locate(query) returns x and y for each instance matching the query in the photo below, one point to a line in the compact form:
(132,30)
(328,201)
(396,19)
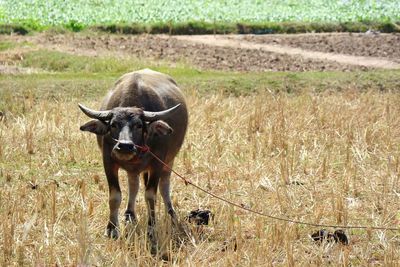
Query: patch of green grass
(6,45)
(63,62)
(60,85)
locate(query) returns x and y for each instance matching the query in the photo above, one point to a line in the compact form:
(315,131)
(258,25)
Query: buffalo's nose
(126,146)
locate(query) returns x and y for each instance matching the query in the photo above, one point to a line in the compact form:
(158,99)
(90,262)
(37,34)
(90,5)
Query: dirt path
(239,42)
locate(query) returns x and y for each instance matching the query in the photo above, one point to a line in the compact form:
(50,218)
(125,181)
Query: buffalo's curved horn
(102,115)
(159,115)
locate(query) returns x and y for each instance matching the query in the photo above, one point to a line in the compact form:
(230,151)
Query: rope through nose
(143,149)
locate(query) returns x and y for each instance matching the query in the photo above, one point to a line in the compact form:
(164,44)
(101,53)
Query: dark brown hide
(134,94)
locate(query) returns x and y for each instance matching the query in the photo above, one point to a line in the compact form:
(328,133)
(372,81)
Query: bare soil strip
(369,44)
(238,42)
(247,53)
(168,49)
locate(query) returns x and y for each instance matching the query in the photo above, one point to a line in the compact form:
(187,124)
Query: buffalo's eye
(113,125)
(139,126)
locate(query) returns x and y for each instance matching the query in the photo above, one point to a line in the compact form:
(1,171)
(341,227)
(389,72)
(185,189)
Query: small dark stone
(340,237)
(320,235)
(199,217)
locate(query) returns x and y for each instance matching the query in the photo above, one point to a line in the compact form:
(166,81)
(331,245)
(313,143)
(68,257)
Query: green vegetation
(194,17)
(5,45)
(247,27)
(214,28)
(79,12)
(62,62)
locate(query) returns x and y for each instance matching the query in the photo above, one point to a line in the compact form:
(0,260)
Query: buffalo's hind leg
(151,183)
(164,186)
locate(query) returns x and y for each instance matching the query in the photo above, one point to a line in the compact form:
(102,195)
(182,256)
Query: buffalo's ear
(159,128)
(95,126)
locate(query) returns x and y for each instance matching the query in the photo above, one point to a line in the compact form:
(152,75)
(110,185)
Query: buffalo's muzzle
(126,147)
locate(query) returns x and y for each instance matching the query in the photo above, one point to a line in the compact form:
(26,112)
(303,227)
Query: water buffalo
(145,108)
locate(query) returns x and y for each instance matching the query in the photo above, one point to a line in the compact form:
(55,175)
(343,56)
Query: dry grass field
(329,157)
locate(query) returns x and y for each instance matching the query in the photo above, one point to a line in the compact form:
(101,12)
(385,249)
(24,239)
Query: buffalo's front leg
(151,182)
(111,170)
(133,185)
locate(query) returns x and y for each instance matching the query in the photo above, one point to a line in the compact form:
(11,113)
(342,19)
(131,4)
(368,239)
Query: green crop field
(78,14)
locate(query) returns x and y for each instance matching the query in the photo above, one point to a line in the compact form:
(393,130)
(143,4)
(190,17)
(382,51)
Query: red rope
(145,148)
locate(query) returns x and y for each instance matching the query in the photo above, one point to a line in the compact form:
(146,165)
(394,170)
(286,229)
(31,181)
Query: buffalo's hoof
(151,236)
(153,249)
(112,232)
(165,257)
(130,218)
